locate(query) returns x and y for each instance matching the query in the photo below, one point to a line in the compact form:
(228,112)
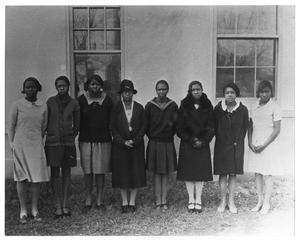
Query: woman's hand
(129,144)
(252,147)
(198,144)
(260,148)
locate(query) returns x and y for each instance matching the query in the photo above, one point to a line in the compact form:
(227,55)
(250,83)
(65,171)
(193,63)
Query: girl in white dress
(264,159)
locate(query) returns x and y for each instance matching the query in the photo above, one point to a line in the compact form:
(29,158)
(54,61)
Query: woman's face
(94,87)
(229,95)
(30,89)
(62,87)
(196,91)
(265,94)
(162,90)
(127,95)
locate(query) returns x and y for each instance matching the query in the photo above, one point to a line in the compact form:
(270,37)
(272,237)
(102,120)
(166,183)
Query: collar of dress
(162,108)
(256,105)
(91,100)
(224,106)
(30,104)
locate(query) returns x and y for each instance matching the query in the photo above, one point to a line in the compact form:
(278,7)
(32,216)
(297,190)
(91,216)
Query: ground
(148,221)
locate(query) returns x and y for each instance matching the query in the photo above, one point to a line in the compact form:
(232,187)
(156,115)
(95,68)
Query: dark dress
(128,165)
(161,127)
(194,164)
(230,129)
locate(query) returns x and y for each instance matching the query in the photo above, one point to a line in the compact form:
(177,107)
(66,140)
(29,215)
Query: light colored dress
(270,160)
(27,124)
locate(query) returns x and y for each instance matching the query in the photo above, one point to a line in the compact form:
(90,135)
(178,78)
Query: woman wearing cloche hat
(128,126)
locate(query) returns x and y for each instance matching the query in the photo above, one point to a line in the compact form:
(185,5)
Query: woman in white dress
(27,125)
(264,159)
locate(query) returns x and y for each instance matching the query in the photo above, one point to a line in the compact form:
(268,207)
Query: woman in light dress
(264,159)
(27,125)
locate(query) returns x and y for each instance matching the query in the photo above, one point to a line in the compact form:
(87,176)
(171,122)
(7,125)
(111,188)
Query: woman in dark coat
(161,158)
(196,129)
(128,126)
(63,127)
(95,138)
(231,124)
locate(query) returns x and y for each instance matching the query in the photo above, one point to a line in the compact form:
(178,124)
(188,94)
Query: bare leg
(133,193)
(268,192)
(190,187)
(35,192)
(100,188)
(157,188)
(21,190)
(66,174)
(124,197)
(199,187)
(56,186)
(223,192)
(88,180)
(231,187)
(164,189)
(259,181)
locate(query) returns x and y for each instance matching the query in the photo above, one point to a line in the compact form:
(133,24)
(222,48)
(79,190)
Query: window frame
(243,36)
(71,51)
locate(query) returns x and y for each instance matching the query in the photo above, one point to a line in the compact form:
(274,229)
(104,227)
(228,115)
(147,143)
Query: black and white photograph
(149,120)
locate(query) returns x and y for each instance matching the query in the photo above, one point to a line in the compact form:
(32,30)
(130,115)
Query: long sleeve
(209,126)
(140,135)
(45,121)
(76,119)
(12,122)
(117,138)
(245,122)
(181,129)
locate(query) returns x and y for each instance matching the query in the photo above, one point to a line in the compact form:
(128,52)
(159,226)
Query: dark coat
(230,129)
(63,121)
(128,165)
(95,120)
(194,164)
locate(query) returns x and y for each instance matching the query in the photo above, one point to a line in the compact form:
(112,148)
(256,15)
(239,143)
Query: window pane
(80,40)
(80,17)
(245,81)
(265,53)
(246,19)
(108,66)
(225,53)
(224,76)
(225,20)
(245,53)
(113,40)
(267,19)
(265,74)
(97,40)
(97,18)
(113,18)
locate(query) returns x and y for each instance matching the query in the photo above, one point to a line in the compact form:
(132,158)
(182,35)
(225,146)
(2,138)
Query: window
(96,46)
(246,47)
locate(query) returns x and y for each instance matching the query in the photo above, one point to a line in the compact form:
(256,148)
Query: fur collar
(188,102)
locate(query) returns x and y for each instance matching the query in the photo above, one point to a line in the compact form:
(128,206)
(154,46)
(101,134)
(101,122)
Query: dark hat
(127,85)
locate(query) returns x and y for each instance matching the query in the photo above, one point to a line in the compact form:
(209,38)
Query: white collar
(27,103)
(257,105)
(224,106)
(91,100)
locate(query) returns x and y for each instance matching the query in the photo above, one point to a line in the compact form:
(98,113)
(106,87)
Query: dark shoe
(23,219)
(87,208)
(36,217)
(132,208)
(58,213)
(66,212)
(101,207)
(198,208)
(191,207)
(157,206)
(124,209)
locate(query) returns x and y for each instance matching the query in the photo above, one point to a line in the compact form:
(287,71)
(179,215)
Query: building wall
(176,43)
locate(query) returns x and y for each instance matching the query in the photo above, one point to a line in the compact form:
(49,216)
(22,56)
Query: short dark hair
(162,81)
(35,81)
(232,86)
(64,78)
(93,77)
(194,82)
(264,84)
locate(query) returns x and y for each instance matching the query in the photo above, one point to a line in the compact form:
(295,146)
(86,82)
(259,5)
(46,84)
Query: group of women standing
(111,139)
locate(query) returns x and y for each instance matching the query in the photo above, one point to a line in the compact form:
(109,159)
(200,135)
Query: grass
(146,220)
